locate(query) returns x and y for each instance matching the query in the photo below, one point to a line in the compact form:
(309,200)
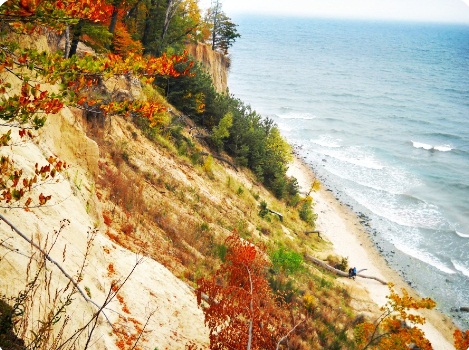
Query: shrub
(220,250)
(208,166)
(263,209)
(339,263)
(286,261)
(306,212)
(283,287)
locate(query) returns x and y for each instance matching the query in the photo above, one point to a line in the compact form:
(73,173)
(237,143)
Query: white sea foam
(425,257)
(421,145)
(461,268)
(443,148)
(400,209)
(327,141)
(366,162)
(463,235)
(426,146)
(354,156)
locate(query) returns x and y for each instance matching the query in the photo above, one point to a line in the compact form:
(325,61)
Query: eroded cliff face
(216,64)
(71,229)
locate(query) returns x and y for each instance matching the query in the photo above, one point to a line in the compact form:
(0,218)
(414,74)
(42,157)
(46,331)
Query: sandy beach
(341,226)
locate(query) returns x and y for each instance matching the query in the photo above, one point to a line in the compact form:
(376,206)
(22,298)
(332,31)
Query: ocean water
(380,110)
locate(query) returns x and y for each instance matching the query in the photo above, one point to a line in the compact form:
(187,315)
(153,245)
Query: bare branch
(288,334)
(47,256)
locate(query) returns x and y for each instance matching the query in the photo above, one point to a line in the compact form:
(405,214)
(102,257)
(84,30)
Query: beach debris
(280,216)
(339,272)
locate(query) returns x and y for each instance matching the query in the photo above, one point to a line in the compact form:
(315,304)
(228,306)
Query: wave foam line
(464,270)
(426,258)
(463,235)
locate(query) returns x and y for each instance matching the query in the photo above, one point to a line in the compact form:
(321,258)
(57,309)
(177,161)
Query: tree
(83,16)
(225,35)
(28,106)
(169,24)
(221,131)
(224,31)
(395,329)
(242,313)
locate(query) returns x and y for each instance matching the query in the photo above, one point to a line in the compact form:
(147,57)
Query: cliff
(216,64)
(136,219)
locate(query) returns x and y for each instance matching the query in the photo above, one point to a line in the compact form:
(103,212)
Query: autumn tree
(27,74)
(75,17)
(242,312)
(396,328)
(163,26)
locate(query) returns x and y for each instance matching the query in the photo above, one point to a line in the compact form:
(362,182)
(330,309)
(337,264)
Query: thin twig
(287,335)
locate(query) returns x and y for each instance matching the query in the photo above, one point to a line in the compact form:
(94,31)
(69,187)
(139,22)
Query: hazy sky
(426,10)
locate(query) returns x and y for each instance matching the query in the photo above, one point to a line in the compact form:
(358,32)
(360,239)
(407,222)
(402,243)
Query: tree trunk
(339,272)
(216,11)
(76,37)
(169,15)
(147,32)
(115,10)
(251,309)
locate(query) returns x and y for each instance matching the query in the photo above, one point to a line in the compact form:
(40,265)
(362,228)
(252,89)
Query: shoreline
(341,226)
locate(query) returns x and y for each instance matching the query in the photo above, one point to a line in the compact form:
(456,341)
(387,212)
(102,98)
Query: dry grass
(183,224)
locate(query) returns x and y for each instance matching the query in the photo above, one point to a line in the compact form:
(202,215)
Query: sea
(380,111)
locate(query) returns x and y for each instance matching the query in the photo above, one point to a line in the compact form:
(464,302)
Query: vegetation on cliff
(158,189)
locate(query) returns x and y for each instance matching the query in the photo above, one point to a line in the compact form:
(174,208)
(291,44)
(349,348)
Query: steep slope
(138,192)
(151,289)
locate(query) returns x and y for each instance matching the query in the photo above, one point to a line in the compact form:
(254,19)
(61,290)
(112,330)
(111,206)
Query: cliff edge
(215,63)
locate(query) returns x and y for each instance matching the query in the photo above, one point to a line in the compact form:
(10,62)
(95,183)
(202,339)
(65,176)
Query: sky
(414,10)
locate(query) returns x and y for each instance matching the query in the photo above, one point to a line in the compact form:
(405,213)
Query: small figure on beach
(352,272)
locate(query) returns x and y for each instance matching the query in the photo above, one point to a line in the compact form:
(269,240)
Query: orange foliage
(107,219)
(242,305)
(461,340)
(123,44)
(30,15)
(127,337)
(15,186)
(395,328)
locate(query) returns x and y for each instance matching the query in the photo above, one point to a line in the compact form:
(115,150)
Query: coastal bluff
(215,63)
(137,216)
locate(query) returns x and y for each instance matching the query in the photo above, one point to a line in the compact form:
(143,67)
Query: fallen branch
(276,213)
(339,272)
